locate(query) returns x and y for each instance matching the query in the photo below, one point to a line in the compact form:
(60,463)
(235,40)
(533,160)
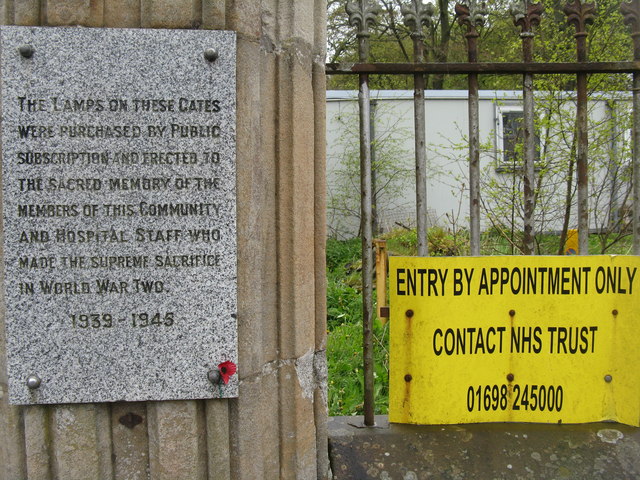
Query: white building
(447,159)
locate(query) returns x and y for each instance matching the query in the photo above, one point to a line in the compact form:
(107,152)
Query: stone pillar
(276,428)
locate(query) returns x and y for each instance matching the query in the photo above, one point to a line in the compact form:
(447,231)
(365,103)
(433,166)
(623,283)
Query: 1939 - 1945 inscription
(119,213)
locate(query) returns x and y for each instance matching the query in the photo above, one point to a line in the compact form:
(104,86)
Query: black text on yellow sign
(580,280)
(532,339)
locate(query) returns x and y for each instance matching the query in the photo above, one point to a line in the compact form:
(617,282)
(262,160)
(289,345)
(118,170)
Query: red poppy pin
(226,369)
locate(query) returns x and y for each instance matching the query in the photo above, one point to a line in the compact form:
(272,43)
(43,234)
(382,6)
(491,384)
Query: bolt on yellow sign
(515,339)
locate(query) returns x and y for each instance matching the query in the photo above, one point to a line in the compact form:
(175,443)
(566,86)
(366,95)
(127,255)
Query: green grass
(344,323)
(346,387)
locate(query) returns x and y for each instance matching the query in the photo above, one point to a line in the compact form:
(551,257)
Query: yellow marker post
(381,280)
(517,339)
(571,243)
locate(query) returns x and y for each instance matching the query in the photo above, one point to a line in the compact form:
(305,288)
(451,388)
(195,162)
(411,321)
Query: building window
(510,138)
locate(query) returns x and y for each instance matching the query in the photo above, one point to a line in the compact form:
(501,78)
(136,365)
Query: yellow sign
(515,339)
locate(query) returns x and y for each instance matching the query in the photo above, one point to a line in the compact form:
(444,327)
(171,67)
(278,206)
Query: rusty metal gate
(472,15)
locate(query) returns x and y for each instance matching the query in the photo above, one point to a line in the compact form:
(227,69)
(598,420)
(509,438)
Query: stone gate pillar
(276,428)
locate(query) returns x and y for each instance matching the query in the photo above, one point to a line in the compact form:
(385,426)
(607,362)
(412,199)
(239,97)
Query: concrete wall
(277,426)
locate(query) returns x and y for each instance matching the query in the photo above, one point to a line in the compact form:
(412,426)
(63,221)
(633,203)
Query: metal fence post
(631,12)
(579,15)
(415,16)
(473,16)
(527,16)
(362,14)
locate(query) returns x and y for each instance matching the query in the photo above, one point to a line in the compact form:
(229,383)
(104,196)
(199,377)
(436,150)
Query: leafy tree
(555,189)
(390,42)
(499,42)
(391,162)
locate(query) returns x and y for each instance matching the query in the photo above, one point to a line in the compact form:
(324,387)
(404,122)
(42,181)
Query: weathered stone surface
(74,12)
(213,14)
(320,40)
(26,12)
(122,13)
(244,17)
(129,425)
(297,420)
(257,438)
(13,464)
(296,204)
(169,14)
(319,98)
(255,432)
(74,429)
(177,441)
(218,444)
(119,213)
(36,426)
(257,320)
(499,451)
(297,21)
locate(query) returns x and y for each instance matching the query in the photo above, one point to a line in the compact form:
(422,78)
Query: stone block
(299,21)
(129,424)
(321,423)
(320,31)
(88,13)
(256,249)
(36,426)
(6,18)
(169,14)
(244,16)
(297,429)
(26,12)
(484,450)
(296,206)
(13,460)
(177,445)
(255,433)
(218,445)
(122,13)
(74,442)
(269,34)
(213,14)
(320,201)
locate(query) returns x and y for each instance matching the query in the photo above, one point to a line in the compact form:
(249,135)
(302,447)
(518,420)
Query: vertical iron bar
(580,14)
(474,148)
(472,15)
(527,16)
(416,14)
(366,230)
(362,13)
(421,159)
(375,225)
(631,12)
(582,167)
(636,161)
(529,164)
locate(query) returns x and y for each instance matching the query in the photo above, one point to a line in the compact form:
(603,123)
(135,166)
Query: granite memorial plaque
(119,209)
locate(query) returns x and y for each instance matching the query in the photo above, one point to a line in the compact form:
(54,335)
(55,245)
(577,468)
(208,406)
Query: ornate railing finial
(362,14)
(472,14)
(416,15)
(631,13)
(526,15)
(580,15)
